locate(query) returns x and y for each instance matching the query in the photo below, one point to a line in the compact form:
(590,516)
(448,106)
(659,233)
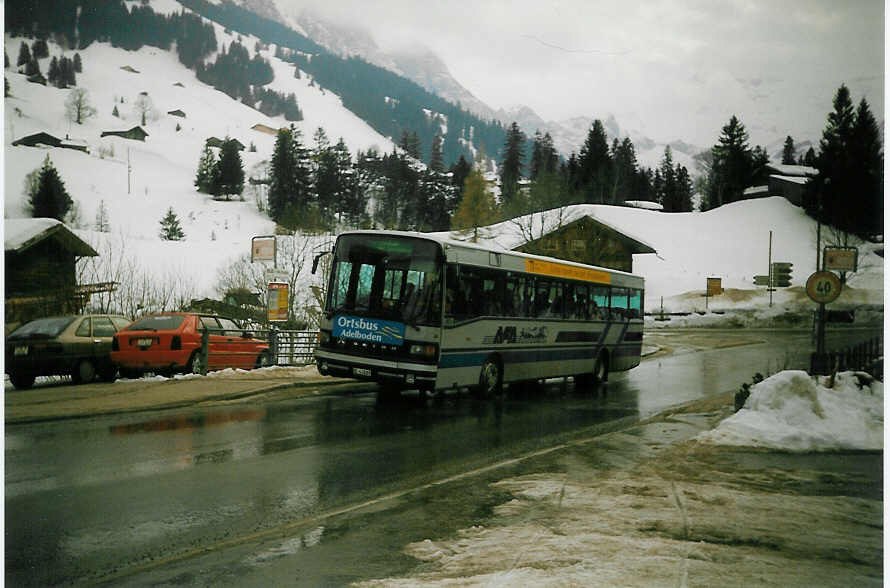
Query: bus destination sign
(564,270)
(368,330)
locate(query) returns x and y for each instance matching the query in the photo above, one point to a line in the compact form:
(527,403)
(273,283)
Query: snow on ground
(794,411)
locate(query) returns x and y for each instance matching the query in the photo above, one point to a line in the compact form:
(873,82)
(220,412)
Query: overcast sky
(671,69)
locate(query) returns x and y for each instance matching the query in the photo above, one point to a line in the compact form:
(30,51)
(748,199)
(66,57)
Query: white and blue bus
(412,310)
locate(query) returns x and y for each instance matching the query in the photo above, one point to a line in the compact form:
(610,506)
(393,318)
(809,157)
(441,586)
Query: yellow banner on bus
(571,272)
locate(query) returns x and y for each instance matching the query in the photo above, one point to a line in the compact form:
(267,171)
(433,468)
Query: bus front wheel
(490,379)
(601,369)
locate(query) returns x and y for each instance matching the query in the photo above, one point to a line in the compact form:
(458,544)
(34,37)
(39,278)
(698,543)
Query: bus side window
(635,303)
(599,303)
(619,303)
(579,308)
(556,300)
(455,305)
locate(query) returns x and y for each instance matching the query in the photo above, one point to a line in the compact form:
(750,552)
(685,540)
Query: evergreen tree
(206,169)
(53,73)
(40,50)
(731,166)
(810,158)
(624,157)
(228,179)
(171,230)
(666,181)
(436,163)
(759,167)
(848,190)
(511,166)
(114,112)
(289,190)
(48,197)
(477,207)
(595,166)
(78,65)
(32,68)
(788,151)
(24,55)
(459,172)
(410,142)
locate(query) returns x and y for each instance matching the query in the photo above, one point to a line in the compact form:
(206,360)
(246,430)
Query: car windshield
(385,276)
(42,328)
(157,323)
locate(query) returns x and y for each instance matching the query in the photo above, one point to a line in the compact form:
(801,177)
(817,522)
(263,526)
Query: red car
(171,342)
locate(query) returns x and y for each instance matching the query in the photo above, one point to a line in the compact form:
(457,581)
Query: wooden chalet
(40,279)
(589,240)
(136,133)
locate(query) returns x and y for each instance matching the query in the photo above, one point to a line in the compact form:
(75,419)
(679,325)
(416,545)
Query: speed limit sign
(823,287)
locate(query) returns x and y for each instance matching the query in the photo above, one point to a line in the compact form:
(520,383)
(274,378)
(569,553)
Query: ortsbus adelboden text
(410,310)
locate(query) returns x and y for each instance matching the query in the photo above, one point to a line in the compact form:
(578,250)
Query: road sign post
(780,274)
(822,287)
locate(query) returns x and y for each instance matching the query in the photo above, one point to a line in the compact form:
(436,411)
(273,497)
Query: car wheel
(21,381)
(195,365)
(108,373)
(84,372)
(490,379)
(263,360)
(130,373)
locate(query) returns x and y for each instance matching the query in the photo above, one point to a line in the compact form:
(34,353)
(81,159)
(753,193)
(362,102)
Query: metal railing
(286,347)
(292,347)
(867,356)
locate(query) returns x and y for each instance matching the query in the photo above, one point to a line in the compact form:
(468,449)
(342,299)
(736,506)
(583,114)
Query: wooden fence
(867,356)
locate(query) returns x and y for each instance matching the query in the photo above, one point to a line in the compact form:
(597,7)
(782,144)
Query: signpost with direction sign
(780,274)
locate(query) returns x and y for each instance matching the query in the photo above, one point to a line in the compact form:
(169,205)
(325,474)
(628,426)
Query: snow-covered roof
(19,234)
(756,190)
(644,204)
(794,170)
(793,179)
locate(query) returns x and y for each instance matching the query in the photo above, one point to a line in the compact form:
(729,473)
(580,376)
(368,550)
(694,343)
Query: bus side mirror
(316,259)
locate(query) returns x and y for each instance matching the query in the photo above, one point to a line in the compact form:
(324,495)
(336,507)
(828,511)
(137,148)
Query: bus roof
(454,243)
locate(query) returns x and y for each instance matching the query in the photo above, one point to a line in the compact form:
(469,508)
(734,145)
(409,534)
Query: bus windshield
(390,277)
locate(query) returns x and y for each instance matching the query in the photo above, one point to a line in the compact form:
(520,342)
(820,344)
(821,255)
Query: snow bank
(793,411)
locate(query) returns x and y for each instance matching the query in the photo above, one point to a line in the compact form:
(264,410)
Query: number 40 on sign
(823,287)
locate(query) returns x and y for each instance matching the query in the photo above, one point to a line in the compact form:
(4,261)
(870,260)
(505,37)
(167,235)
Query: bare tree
(143,107)
(78,107)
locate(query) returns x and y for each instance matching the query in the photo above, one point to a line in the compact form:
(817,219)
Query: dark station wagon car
(171,342)
(75,345)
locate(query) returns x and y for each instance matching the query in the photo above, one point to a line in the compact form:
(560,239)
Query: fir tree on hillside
(788,151)
(512,166)
(40,49)
(228,177)
(595,166)
(289,191)
(24,55)
(436,163)
(848,190)
(48,197)
(625,170)
(171,230)
(731,166)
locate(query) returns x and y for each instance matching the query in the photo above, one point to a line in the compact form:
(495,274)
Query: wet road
(93,498)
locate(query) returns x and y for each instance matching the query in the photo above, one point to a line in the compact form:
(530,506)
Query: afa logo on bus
(370,330)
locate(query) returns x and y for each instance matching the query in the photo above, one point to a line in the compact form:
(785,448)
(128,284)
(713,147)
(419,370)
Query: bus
(421,311)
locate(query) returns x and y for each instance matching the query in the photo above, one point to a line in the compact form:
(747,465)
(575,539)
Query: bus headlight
(425,350)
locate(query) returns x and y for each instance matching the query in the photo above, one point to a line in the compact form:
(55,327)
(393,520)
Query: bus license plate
(21,350)
(143,342)
(361,372)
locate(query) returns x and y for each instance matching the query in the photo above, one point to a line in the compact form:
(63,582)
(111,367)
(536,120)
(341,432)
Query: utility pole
(770,266)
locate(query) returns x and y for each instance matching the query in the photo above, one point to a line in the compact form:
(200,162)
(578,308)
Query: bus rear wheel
(490,379)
